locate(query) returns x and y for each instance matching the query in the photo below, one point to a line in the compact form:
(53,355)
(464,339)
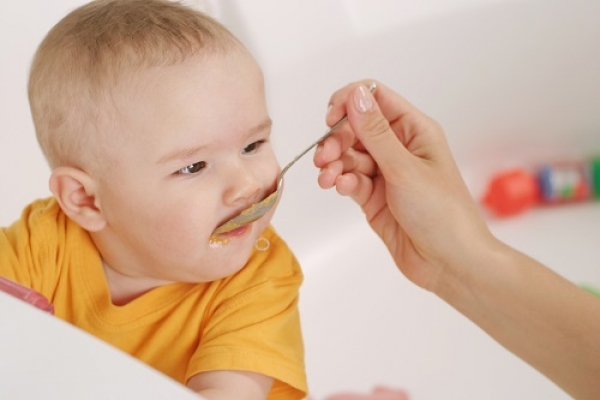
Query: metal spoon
(258,210)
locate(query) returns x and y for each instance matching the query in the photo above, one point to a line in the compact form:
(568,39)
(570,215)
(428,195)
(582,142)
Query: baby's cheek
(270,173)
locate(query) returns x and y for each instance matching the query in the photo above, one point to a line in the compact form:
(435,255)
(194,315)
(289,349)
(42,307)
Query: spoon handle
(372,87)
(329,132)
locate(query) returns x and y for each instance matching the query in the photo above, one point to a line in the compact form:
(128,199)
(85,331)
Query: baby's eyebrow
(263,126)
(181,154)
(187,153)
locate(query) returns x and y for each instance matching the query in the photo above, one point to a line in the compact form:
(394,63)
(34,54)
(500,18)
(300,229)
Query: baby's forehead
(153,90)
(126,78)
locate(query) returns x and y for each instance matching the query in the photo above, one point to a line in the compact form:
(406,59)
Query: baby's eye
(253,147)
(192,168)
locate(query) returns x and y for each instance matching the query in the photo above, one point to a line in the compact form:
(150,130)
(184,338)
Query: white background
(514,83)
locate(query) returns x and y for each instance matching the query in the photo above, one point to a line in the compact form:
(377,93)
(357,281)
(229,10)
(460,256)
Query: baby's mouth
(221,238)
(248,215)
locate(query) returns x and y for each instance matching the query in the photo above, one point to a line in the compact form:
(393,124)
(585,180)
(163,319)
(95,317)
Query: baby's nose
(244,187)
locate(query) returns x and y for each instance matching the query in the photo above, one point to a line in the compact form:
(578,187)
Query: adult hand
(394,162)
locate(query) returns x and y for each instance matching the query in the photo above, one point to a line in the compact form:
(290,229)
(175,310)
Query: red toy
(512,192)
(26,294)
(516,190)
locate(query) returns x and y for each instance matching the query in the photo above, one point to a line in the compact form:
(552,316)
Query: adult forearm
(533,312)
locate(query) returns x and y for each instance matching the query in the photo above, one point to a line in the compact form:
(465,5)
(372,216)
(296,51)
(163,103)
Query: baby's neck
(124,289)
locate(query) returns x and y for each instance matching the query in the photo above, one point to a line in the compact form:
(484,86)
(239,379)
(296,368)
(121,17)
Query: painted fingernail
(363,99)
(317,152)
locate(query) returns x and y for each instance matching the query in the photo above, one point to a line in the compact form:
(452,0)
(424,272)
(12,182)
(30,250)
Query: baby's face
(192,149)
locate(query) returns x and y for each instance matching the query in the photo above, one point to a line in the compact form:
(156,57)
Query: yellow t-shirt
(248,321)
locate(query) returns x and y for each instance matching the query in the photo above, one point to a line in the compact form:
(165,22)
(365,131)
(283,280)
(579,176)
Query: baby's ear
(76,193)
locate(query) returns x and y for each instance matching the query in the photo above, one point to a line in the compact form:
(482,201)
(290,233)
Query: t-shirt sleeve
(26,254)
(254,324)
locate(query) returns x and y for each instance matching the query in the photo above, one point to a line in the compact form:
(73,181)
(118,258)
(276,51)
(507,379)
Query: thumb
(374,131)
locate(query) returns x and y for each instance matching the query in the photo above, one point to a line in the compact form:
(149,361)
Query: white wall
(513,83)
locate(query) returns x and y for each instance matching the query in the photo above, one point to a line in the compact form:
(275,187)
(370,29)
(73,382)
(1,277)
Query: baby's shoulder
(272,257)
(45,215)
(44,223)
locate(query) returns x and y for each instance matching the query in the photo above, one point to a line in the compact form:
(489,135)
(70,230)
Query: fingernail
(329,108)
(317,151)
(363,99)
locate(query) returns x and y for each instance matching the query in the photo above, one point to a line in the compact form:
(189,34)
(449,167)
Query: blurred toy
(593,290)
(516,190)
(26,294)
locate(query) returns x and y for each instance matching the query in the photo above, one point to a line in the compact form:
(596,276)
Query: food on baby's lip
(251,214)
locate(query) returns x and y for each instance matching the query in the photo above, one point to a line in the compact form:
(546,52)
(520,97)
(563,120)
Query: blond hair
(95,47)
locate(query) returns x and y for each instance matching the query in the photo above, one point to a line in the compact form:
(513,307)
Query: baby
(153,119)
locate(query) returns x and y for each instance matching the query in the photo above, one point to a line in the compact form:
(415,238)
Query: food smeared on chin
(217,240)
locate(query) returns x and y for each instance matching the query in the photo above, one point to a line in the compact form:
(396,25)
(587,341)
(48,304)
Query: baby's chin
(225,260)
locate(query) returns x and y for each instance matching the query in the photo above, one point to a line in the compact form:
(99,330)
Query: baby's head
(91,52)
(153,118)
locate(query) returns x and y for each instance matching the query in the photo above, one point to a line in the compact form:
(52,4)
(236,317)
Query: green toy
(591,289)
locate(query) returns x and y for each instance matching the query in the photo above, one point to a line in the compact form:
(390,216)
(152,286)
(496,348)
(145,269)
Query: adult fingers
(343,137)
(352,161)
(373,128)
